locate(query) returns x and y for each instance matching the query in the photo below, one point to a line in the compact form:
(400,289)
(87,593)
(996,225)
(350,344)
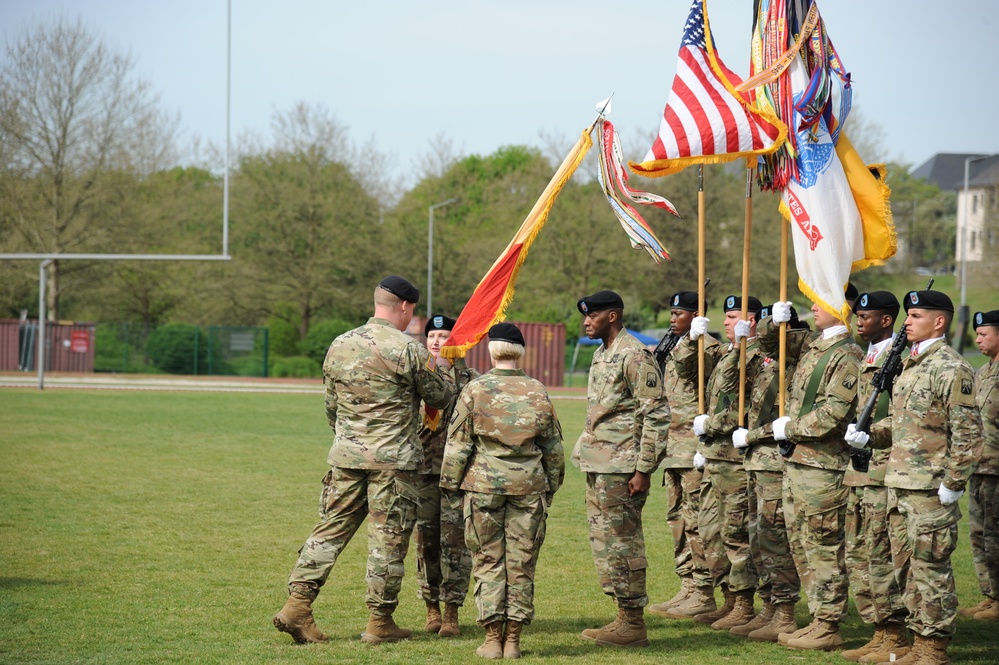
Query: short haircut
(502,350)
(385,298)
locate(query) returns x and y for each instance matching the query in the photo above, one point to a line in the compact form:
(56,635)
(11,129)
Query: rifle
(883,380)
(665,348)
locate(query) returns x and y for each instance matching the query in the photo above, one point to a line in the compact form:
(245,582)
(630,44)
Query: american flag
(706,120)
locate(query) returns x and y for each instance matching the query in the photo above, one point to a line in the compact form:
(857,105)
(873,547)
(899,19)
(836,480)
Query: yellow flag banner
(871,194)
(493,295)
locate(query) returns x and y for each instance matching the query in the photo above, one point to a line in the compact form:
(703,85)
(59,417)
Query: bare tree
(76,127)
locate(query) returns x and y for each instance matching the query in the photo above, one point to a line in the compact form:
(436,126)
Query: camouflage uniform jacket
(432,440)
(724,419)
(681,391)
(375,377)
(764,406)
(987,382)
(627,415)
(504,438)
(879,456)
(935,429)
(818,433)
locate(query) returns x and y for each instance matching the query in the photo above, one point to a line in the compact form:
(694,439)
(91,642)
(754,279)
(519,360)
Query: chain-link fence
(180,349)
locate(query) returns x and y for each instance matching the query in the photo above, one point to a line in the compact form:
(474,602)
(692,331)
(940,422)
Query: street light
(430,255)
(962,317)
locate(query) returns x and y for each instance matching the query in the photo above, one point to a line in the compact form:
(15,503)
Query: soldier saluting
(934,431)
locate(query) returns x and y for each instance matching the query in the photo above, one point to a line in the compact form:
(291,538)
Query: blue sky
(485,75)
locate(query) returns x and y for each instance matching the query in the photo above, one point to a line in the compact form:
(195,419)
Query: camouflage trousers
(504,534)
(723,525)
(983,520)
(443,562)
(868,557)
(923,536)
(815,512)
(616,537)
(683,501)
(388,498)
(771,551)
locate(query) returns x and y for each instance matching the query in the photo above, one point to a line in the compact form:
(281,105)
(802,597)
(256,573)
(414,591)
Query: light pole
(430,255)
(962,316)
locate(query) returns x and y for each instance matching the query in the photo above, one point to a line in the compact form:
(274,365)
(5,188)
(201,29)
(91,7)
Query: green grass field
(158,527)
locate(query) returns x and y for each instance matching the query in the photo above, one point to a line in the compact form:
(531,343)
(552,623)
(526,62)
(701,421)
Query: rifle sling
(812,390)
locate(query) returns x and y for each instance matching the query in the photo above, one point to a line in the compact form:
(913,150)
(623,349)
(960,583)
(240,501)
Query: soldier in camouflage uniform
(868,549)
(779,585)
(504,450)
(983,488)
(443,562)
(823,400)
(723,519)
(681,479)
(622,443)
(934,431)
(375,377)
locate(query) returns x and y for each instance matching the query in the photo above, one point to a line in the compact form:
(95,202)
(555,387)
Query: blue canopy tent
(586,341)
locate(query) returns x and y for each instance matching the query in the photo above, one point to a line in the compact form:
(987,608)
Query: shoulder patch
(849,382)
(651,379)
(967,386)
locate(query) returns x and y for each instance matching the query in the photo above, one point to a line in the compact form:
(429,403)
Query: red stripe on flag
(690,101)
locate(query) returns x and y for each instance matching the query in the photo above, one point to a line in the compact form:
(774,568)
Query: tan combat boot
(433,617)
(927,651)
(511,644)
(630,631)
(492,648)
(761,620)
(870,647)
(449,624)
(687,587)
(741,614)
(710,617)
(824,636)
(784,637)
(591,633)
(383,629)
(975,609)
(700,600)
(894,644)
(782,622)
(295,618)
(990,613)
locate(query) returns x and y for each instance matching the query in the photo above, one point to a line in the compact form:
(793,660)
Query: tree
(306,229)
(75,128)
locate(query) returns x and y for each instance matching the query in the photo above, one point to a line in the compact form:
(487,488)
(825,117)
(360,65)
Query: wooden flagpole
(701,308)
(745,291)
(782,349)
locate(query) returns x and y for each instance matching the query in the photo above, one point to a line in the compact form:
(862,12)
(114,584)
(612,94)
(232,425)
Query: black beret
(793,322)
(735,302)
(986,318)
(850,293)
(685,300)
(935,300)
(599,301)
(400,287)
(439,322)
(877,301)
(506,332)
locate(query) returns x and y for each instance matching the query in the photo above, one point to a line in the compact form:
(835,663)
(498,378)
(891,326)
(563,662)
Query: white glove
(947,496)
(739,438)
(741,330)
(855,437)
(781,311)
(699,424)
(699,460)
(779,426)
(699,326)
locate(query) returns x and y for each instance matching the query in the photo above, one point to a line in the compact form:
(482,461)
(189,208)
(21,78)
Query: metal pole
(42,286)
(228,95)
(430,255)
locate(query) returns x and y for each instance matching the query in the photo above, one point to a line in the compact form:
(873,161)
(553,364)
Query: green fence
(180,349)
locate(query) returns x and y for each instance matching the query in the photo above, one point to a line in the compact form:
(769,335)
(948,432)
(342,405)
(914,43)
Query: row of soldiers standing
(762,507)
